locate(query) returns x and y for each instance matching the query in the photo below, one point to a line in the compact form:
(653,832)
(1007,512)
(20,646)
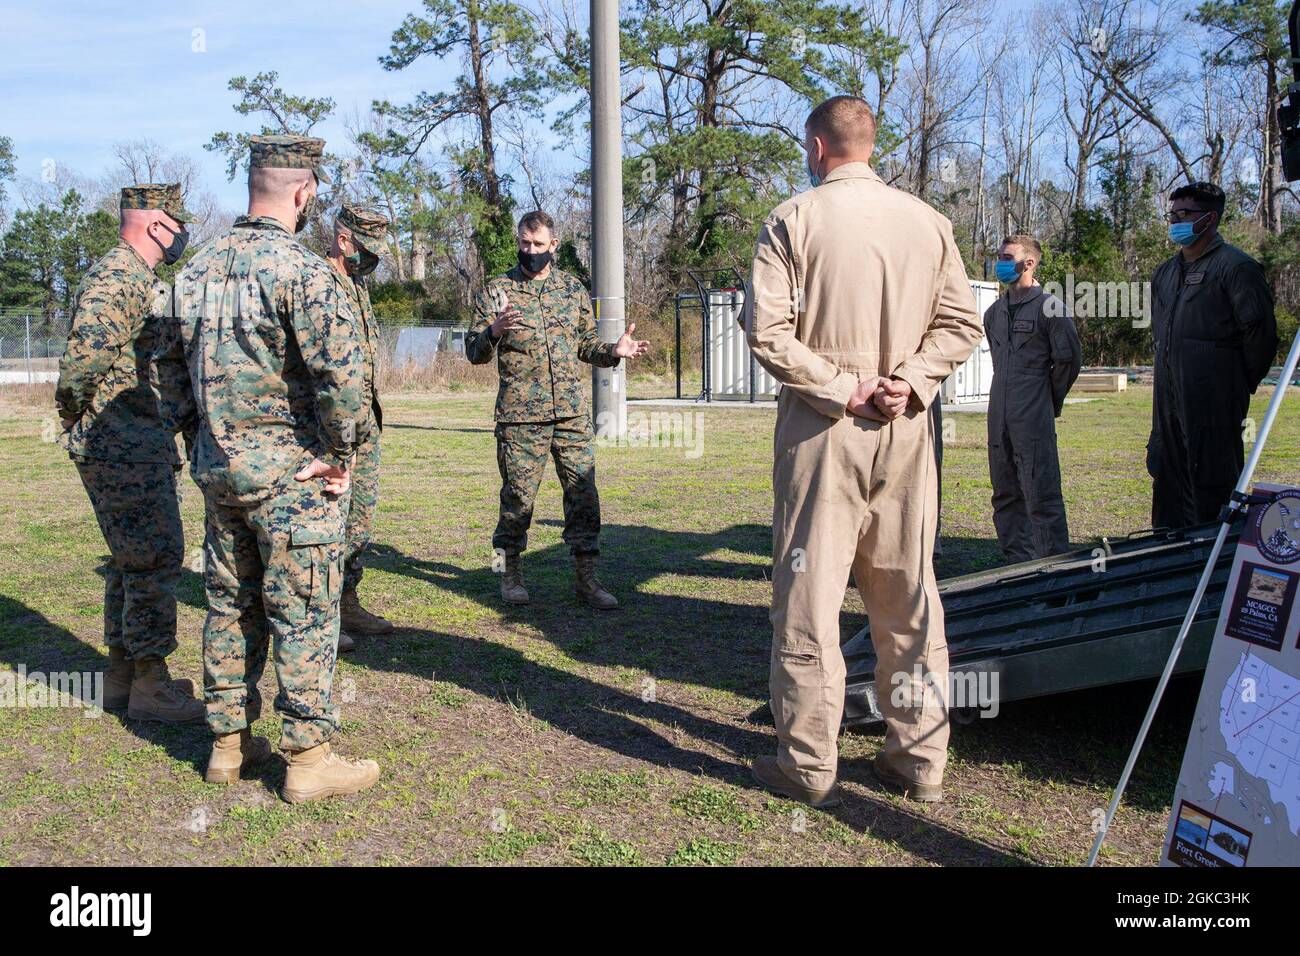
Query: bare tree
(1134,56)
(147,161)
(1085,98)
(941,75)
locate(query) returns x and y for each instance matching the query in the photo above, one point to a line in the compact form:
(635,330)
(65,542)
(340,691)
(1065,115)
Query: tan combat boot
(588,588)
(155,696)
(231,753)
(317,773)
(512,581)
(118,677)
(357,620)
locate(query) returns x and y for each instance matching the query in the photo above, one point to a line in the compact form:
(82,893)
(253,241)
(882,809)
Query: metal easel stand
(1233,509)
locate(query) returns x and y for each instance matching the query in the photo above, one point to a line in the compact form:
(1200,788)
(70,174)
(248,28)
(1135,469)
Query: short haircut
(144,215)
(1025,241)
(532,221)
(845,123)
(1206,194)
(272,182)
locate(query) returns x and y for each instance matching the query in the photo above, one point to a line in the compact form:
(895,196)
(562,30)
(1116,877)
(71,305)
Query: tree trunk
(1272,204)
(419,243)
(715,70)
(395,247)
(483,106)
(977,230)
(923,146)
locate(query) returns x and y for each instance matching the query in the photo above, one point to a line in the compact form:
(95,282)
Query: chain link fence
(411,353)
(31,344)
(427,355)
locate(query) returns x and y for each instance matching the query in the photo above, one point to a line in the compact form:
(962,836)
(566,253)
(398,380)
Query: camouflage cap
(288,152)
(164,196)
(368,228)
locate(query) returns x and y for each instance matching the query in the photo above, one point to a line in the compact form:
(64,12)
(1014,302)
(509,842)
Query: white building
(729,372)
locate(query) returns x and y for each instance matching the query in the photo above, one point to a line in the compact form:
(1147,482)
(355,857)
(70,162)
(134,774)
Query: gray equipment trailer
(1103,615)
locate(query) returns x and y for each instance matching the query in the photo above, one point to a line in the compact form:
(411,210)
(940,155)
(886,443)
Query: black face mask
(308,210)
(533,262)
(361,263)
(176,248)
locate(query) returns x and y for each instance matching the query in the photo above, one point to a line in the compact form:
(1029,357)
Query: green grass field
(528,735)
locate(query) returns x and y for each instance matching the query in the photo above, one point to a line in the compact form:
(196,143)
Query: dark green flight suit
(1036,358)
(1215,339)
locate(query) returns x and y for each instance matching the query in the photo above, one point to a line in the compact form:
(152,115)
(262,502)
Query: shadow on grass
(687,639)
(1083,738)
(681,637)
(603,716)
(438,428)
(697,640)
(651,731)
(1080,738)
(29,638)
(960,556)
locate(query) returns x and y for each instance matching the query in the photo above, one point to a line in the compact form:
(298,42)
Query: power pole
(608,385)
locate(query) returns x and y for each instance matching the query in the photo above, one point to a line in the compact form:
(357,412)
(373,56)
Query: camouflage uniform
(122,442)
(542,403)
(368,230)
(277,375)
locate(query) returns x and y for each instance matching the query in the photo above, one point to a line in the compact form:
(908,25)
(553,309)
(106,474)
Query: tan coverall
(851,280)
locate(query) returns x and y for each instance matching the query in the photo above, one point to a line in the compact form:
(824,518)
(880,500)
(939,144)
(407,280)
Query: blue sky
(79,77)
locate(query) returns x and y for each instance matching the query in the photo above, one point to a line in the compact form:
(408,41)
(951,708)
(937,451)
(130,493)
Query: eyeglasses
(1182,215)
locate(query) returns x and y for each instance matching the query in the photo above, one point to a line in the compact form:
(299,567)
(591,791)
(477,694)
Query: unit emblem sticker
(1277,529)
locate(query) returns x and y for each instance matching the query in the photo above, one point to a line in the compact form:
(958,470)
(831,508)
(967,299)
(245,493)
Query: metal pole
(677,321)
(608,385)
(27,345)
(706,344)
(753,362)
(1243,485)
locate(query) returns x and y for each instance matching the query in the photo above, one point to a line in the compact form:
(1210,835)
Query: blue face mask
(812,176)
(1006,271)
(1183,233)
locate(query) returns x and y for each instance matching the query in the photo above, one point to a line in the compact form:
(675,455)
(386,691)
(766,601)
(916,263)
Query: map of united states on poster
(1259,717)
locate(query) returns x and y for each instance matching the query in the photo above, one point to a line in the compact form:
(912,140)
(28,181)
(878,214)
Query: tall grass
(39,395)
(448,372)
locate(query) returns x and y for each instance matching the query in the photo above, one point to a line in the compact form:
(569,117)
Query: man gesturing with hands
(538,321)
(860,307)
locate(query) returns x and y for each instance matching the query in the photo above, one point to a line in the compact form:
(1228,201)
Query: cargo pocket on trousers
(798,662)
(317,544)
